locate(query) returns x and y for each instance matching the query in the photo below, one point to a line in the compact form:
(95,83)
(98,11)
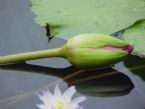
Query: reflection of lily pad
(67,18)
(102,82)
(135,35)
(136,65)
(98,82)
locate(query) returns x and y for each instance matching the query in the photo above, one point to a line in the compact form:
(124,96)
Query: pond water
(122,88)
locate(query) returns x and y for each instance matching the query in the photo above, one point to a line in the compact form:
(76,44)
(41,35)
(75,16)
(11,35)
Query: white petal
(43,98)
(46,97)
(57,92)
(43,106)
(80,107)
(48,94)
(40,106)
(72,106)
(78,100)
(44,93)
(69,93)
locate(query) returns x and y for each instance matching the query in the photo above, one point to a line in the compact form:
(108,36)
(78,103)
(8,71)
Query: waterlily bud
(95,50)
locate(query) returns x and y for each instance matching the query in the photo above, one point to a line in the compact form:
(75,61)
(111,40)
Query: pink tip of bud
(111,48)
(127,48)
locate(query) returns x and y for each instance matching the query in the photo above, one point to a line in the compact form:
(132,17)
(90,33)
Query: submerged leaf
(135,35)
(67,18)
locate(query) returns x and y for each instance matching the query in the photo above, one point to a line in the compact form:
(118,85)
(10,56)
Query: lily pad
(67,18)
(135,35)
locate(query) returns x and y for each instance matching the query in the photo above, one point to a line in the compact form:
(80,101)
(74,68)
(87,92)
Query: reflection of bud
(95,50)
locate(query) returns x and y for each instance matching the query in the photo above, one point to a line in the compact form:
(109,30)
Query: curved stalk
(14,58)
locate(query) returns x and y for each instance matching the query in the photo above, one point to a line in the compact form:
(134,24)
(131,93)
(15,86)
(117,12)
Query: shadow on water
(105,82)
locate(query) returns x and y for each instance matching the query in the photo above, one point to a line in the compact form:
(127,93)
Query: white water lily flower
(60,100)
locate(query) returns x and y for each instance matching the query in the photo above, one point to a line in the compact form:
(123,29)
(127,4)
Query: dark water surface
(19,82)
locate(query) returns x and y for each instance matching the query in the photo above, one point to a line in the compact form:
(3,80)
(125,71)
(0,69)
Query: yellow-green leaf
(67,18)
(135,35)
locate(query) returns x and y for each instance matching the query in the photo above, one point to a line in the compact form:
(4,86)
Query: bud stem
(14,58)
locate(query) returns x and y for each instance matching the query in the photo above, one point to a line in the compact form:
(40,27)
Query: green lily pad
(67,18)
(135,35)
